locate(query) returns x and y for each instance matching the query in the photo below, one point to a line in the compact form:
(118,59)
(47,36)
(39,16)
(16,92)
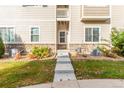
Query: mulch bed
(97,58)
(23,58)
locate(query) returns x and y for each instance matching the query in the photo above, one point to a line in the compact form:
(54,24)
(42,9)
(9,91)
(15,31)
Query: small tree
(2,48)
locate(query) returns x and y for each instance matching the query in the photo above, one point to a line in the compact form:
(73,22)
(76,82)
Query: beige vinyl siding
(36,12)
(23,18)
(7,13)
(28,13)
(77,32)
(47,30)
(117,19)
(95,11)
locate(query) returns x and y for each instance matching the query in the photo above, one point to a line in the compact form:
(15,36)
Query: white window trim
(14,30)
(99,34)
(30,35)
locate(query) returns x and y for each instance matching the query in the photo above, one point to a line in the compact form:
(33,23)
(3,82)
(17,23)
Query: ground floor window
(7,34)
(34,34)
(92,34)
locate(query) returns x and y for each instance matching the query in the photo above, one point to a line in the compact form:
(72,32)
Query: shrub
(112,55)
(31,56)
(104,50)
(116,50)
(107,52)
(118,40)
(41,52)
(73,53)
(17,56)
(2,48)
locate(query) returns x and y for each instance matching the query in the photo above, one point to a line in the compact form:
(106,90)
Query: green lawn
(17,74)
(96,69)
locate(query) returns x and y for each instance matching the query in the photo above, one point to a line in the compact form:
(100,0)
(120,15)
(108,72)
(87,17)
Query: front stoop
(64,69)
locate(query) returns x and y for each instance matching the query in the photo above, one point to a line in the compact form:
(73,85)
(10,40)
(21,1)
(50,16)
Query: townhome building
(67,27)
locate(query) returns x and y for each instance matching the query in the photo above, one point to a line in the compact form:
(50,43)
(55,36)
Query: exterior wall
(23,18)
(85,48)
(27,47)
(77,31)
(46,28)
(96,11)
(117,16)
(28,13)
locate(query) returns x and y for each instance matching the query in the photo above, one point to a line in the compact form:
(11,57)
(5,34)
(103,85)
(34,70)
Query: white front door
(62,40)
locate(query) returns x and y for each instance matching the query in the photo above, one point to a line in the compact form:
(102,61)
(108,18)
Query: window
(92,34)
(7,34)
(34,34)
(45,5)
(62,37)
(62,6)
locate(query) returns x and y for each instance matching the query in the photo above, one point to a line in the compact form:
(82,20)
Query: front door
(62,40)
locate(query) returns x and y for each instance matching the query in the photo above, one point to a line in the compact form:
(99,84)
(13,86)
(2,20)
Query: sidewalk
(90,83)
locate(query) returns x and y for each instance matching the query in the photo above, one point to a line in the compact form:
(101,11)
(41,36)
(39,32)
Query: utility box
(13,52)
(96,52)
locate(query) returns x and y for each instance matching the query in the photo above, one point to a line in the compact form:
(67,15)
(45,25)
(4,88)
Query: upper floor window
(35,34)
(62,6)
(44,5)
(92,34)
(7,34)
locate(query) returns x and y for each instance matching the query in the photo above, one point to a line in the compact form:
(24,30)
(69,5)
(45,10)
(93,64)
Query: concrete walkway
(91,83)
(64,70)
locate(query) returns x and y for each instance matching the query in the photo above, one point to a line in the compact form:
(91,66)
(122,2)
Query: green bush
(112,55)
(104,50)
(117,38)
(2,48)
(116,50)
(107,52)
(41,52)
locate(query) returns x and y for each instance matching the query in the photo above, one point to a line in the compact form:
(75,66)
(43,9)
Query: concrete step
(64,76)
(64,71)
(66,68)
(62,54)
(63,60)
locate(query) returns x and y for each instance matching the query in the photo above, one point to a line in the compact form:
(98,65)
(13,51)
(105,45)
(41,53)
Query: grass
(18,74)
(98,69)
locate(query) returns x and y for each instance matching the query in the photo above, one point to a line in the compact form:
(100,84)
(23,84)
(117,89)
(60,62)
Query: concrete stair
(64,76)
(64,69)
(63,60)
